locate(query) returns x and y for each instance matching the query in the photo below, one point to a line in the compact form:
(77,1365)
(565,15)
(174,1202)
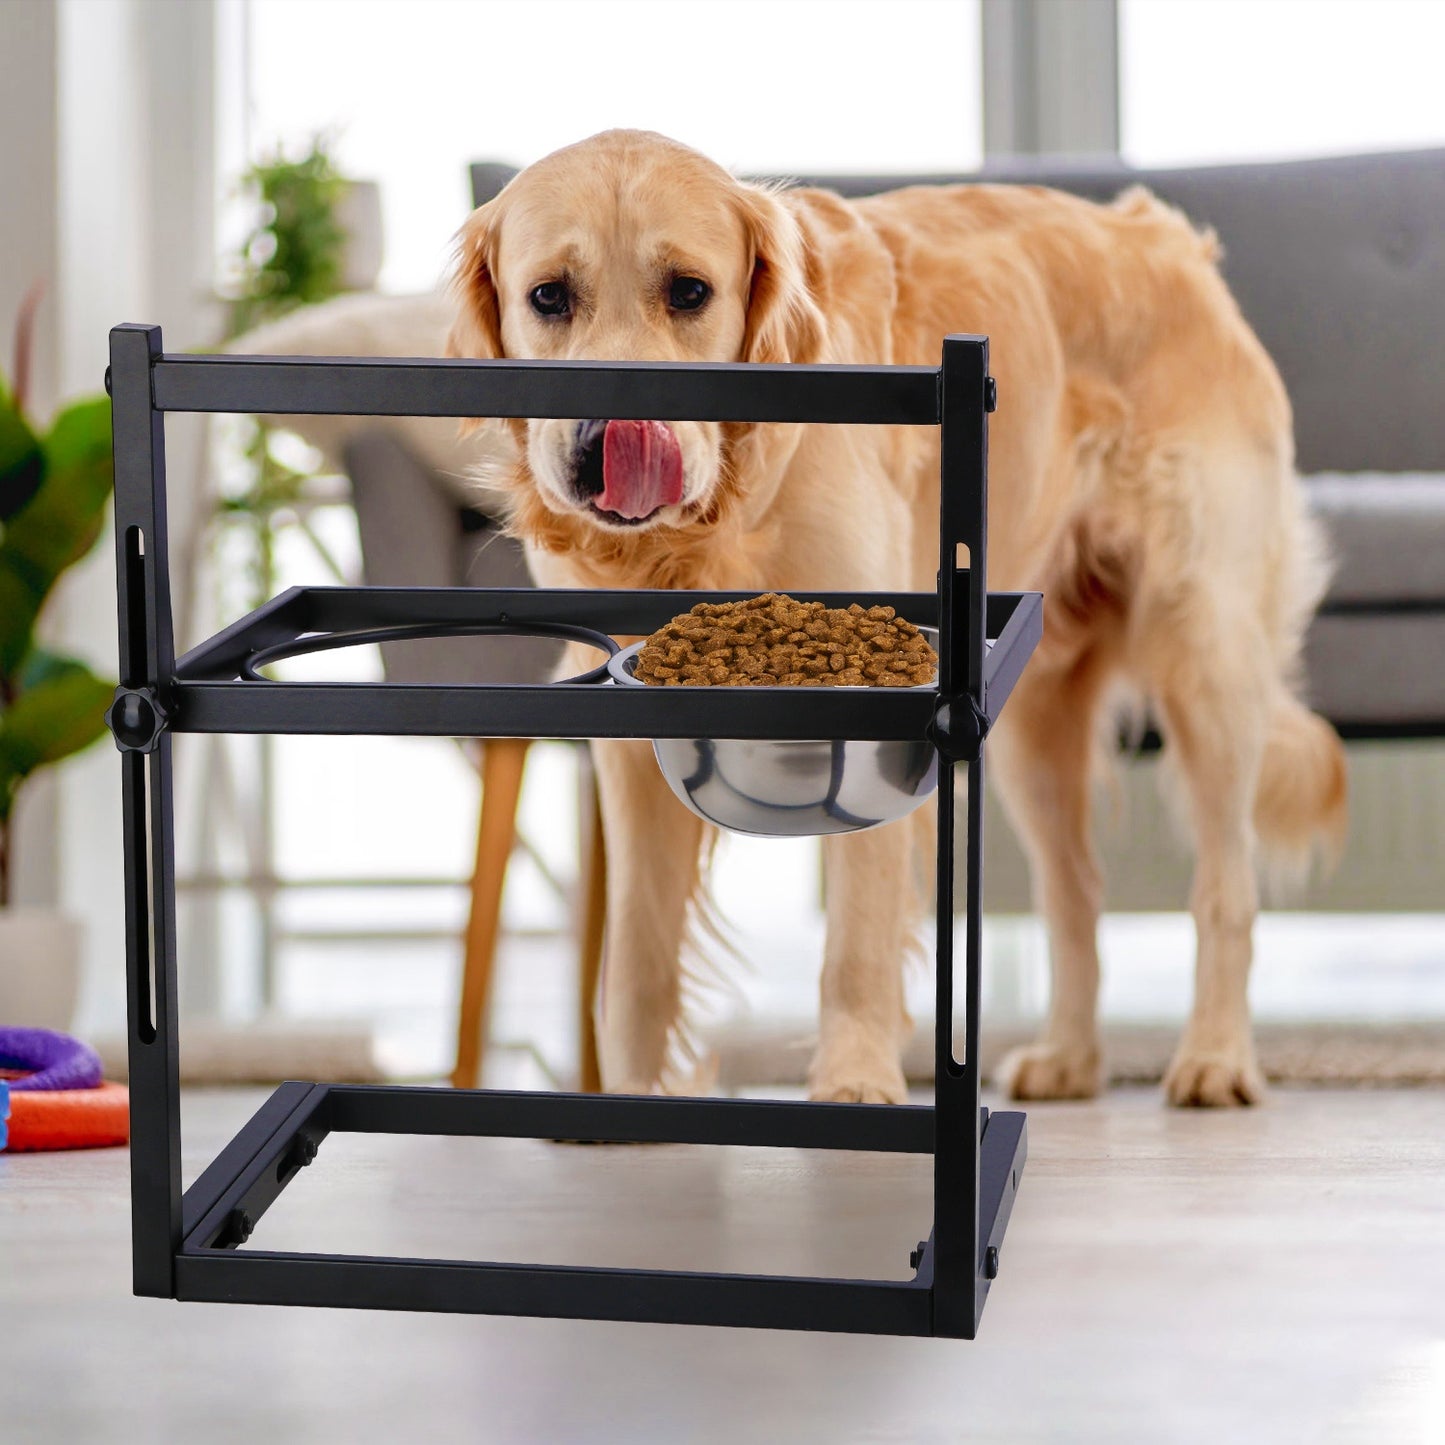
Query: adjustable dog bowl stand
(188,1246)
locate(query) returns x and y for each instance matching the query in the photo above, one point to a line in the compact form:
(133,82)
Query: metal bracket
(136,719)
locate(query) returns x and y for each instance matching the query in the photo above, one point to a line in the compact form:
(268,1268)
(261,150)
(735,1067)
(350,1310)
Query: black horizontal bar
(676,391)
(248,1276)
(620,1118)
(552,710)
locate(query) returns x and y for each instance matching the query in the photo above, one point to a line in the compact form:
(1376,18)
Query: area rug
(753,1053)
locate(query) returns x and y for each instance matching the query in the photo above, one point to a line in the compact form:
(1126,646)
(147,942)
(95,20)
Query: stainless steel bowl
(790,788)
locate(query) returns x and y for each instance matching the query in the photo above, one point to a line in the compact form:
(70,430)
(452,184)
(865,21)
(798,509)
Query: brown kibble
(774,640)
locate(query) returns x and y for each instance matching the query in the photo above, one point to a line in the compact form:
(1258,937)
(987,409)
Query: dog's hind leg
(871,901)
(1040,759)
(654,850)
(1212,688)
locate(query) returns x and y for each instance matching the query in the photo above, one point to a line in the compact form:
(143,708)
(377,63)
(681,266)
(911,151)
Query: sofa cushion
(1339,265)
(1387,532)
(1381,671)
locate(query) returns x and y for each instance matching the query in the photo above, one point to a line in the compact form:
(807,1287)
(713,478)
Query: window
(1221,80)
(764,86)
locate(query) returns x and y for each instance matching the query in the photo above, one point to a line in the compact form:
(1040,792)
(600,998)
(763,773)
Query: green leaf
(21,464)
(61,713)
(42,666)
(58,526)
(79,440)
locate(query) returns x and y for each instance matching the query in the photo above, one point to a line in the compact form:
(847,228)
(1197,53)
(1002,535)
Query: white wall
(28,253)
(27,176)
(108,179)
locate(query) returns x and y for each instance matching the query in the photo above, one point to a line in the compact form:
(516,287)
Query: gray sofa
(1340,267)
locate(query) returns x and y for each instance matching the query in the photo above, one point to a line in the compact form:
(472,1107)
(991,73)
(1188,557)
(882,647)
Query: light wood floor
(1276,1275)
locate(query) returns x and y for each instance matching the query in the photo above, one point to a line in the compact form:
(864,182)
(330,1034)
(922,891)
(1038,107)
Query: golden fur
(1141,477)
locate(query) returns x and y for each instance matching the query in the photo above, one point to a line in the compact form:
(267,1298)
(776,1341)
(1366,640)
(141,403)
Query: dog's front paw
(1050,1071)
(1213,1079)
(856,1078)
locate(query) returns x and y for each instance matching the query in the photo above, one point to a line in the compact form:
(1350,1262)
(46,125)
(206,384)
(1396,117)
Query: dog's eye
(551,298)
(687,293)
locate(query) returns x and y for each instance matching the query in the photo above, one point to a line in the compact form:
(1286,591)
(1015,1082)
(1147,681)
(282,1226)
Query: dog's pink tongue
(641,468)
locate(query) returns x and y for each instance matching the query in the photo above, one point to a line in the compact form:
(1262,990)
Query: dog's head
(631,247)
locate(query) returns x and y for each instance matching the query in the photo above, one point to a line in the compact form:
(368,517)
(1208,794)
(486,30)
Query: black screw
(303,1151)
(990,1262)
(916,1257)
(239,1226)
(107,381)
(990,394)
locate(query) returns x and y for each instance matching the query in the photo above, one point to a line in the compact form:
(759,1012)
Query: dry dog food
(774,640)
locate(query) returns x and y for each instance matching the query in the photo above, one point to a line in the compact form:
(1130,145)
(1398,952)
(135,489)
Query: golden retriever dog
(1142,479)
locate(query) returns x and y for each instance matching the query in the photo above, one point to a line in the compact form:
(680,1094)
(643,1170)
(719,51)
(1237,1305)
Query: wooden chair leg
(503,760)
(589,961)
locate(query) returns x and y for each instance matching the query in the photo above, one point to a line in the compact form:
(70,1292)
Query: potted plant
(316,234)
(55,486)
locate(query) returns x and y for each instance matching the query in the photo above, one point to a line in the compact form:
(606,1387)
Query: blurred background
(158,159)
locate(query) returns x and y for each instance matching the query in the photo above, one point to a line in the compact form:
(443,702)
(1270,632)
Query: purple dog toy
(56,1061)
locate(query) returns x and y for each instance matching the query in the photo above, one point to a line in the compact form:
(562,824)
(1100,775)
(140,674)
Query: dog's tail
(1301,806)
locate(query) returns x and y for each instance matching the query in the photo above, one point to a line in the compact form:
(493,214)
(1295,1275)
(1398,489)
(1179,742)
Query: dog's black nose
(587,459)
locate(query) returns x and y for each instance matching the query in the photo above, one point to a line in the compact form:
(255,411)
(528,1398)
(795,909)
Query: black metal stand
(189,1247)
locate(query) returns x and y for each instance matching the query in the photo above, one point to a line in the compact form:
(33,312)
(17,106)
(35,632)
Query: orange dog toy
(68,1118)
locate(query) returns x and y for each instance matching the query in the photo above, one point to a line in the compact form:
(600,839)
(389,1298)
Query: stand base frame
(223,1206)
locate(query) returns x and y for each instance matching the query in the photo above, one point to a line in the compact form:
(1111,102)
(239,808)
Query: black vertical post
(147,662)
(963,519)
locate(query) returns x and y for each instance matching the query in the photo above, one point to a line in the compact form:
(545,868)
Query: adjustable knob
(136,720)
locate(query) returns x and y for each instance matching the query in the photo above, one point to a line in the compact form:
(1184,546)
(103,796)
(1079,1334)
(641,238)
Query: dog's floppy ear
(784,323)
(477,331)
